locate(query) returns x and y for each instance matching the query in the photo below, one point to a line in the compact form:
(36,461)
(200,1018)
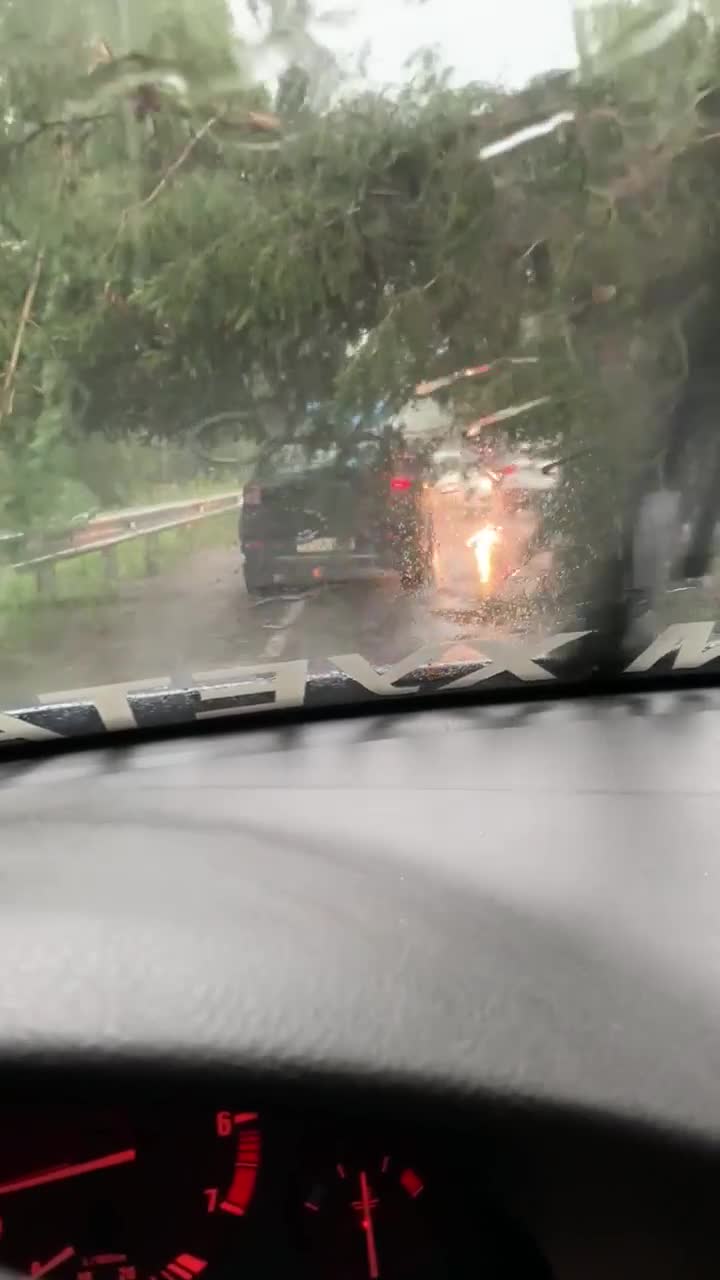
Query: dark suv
(353,510)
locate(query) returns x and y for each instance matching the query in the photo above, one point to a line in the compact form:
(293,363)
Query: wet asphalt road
(199,617)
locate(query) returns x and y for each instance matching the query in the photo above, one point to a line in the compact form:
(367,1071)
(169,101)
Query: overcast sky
(505,41)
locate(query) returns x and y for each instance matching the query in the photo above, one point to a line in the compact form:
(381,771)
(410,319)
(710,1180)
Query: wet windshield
(371,329)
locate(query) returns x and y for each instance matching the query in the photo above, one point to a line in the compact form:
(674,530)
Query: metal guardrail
(9,544)
(104,534)
(141,517)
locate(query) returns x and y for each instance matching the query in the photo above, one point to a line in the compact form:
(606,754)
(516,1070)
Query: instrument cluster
(168,1192)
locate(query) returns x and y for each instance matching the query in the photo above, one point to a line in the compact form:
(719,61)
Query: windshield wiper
(676,503)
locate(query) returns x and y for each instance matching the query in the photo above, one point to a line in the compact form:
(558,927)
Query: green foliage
(213,241)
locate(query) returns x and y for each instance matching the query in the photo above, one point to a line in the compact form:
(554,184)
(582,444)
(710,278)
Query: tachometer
(89,1194)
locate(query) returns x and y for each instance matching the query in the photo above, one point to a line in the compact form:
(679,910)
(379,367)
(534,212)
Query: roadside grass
(30,609)
(156,494)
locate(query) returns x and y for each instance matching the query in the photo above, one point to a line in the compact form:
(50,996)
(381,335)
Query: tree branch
(6,398)
(8,384)
(173,168)
(46,125)
(168,174)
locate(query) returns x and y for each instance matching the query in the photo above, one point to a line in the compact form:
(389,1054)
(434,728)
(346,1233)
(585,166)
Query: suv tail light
(401,484)
(252,496)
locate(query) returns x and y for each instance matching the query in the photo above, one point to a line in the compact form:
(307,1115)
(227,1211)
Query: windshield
(366,338)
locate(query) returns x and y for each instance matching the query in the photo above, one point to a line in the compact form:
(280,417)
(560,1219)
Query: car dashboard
(398,996)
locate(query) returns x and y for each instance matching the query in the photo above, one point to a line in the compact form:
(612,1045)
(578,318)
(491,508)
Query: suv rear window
(292,459)
(297,457)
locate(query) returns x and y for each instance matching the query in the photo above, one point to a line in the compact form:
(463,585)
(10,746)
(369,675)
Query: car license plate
(319,545)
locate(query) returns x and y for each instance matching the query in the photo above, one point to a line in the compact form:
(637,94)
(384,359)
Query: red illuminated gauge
(88,1194)
(373,1213)
(365,1218)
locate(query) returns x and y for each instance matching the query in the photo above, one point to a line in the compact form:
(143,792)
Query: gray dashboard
(515,903)
(522,898)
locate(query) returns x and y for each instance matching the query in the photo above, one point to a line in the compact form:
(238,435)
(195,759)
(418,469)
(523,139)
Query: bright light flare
(482,543)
